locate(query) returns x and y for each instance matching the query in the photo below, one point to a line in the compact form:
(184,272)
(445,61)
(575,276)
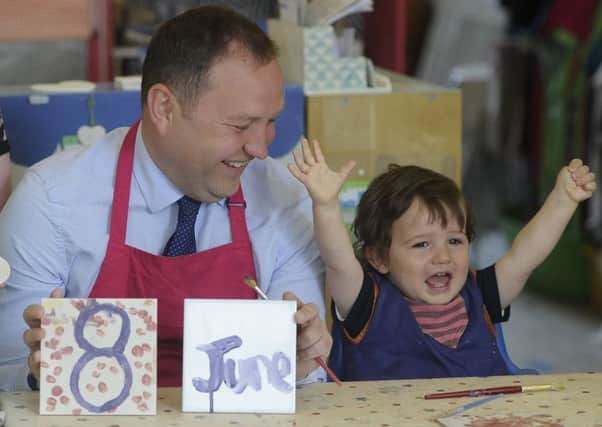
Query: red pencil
(253,284)
(492,390)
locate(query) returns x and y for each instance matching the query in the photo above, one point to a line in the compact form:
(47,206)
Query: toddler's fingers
(294,170)
(574,164)
(585,178)
(590,186)
(299,161)
(579,172)
(308,155)
(318,151)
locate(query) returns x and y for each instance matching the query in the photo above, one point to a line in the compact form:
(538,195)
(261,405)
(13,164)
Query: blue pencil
(471,405)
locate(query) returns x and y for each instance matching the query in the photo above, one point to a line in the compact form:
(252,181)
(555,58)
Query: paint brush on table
(471,405)
(253,284)
(494,390)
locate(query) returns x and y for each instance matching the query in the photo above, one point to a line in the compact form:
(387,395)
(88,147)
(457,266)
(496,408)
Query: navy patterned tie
(182,241)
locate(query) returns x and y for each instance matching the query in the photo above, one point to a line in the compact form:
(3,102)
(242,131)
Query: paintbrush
(471,405)
(253,284)
(494,390)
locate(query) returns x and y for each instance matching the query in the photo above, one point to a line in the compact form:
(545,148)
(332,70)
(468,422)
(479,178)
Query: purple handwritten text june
(278,367)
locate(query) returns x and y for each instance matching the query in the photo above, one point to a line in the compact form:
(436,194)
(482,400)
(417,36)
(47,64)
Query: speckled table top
(370,403)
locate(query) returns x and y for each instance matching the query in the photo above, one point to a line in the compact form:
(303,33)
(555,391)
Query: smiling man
(183,204)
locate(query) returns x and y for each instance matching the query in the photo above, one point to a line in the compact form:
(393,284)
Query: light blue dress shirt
(54,233)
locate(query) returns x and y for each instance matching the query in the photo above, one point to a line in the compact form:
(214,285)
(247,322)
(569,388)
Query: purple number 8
(92,352)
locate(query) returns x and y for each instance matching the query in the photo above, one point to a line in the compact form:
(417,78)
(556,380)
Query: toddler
(408,304)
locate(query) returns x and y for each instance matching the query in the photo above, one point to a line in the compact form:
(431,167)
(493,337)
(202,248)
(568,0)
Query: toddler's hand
(311,170)
(577,181)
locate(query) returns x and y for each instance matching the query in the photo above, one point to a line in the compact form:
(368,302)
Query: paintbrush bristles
(253,284)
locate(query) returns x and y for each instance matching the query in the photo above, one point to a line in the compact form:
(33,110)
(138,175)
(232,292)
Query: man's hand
(33,336)
(313,338)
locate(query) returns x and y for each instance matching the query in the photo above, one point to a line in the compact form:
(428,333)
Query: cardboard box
(417,123)
(309,56)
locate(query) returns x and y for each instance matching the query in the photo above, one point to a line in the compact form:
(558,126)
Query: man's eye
(241,128)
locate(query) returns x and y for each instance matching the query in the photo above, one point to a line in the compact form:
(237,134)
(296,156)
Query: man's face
(209,144)
(426,261)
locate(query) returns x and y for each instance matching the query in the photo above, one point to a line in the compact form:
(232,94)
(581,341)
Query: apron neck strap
(123,181)
(236,208)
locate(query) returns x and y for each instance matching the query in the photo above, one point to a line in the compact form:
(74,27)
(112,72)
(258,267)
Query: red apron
(128,272)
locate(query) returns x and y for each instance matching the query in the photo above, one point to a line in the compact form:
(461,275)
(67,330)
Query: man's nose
(257,149)
(259,140)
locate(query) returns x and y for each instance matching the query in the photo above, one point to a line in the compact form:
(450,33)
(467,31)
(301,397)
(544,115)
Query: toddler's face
(426,261)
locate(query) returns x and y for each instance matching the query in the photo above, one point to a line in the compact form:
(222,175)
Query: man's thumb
(57,293)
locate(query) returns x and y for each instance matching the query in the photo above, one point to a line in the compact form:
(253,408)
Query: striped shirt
(443,322)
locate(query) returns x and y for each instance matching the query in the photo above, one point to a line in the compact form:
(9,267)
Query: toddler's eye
(420,245)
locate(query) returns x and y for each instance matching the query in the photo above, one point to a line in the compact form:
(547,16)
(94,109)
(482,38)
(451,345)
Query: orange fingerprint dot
(148,366)
(46,320)
(51,401)
(50,408)
(95,374)
(57,370)
(140,331)
(77,411)
(143,407)
(89,387)
(50,379)
(102,387)
(113,369)
(100,332)
(136,399)
(57,390)
(59,330)
(146,347)
(44,364)
(138,364)
(101,365)
(133,311)
(56,355)
(64,400)
(146,395)
(67,350)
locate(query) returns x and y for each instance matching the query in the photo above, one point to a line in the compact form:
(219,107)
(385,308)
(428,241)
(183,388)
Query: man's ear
(376,260)
(161,104)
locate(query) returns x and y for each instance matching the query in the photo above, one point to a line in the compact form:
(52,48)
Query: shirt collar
(156,189)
